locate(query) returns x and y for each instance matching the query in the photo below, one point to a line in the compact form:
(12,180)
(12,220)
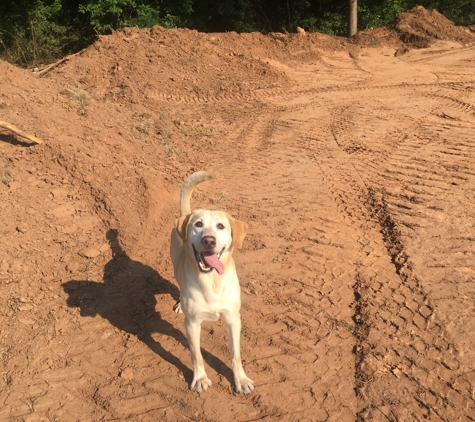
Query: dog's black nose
(208,242)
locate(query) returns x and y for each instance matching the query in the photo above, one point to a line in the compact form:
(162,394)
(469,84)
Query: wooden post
(352,17)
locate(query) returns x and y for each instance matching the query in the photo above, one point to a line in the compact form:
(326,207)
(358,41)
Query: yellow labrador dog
(201,249)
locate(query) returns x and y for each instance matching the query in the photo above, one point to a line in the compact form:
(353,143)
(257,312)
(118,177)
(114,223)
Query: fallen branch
(44,71)
(51,66)
(19,132)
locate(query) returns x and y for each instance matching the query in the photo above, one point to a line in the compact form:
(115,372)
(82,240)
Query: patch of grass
(164,133)
(141,128)
(171,148)
(220,198)
(250,288)
(204,130)
(3,354)
(8,380)
(6,178)
(89,267)
(145,123)
(81,97)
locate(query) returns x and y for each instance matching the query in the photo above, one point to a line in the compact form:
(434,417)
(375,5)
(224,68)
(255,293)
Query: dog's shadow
(127,300)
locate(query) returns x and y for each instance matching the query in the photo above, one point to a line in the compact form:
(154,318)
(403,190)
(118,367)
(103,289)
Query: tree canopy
(40,31)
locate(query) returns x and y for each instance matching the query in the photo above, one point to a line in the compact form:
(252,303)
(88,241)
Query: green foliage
(106,15)
(46,35)
(378,13)
(146,17)
(333,24)
(109,15)
(40,31)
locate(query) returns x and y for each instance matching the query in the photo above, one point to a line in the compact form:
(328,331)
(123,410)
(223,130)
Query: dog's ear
(181,225)
(238,230)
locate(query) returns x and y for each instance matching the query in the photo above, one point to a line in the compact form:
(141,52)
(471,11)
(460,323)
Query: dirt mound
(416,28)
(135,65)
(119,116)
(377,37)
(419,27)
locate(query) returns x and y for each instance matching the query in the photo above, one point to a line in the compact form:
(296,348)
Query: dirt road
(355,174)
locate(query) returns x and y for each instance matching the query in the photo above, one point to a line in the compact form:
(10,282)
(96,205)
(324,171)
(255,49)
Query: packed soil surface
(352,163)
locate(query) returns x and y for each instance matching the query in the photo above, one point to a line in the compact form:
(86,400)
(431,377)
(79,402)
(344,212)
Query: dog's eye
(198,224)
(220,226)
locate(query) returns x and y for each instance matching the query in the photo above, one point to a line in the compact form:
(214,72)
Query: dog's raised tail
(187,190)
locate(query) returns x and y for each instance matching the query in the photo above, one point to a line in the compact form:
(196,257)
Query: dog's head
(209,235)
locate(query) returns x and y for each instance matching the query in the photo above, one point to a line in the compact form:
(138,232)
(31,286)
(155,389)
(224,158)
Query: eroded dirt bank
(352,164)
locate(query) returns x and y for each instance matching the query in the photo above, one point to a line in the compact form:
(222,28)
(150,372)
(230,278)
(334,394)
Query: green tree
(39,31)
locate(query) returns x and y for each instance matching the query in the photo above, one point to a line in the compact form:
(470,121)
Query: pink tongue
(214,262)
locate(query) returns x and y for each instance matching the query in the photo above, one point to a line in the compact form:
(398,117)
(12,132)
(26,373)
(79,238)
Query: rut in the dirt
(390,303)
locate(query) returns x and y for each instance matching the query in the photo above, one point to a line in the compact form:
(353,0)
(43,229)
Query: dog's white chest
(210,307)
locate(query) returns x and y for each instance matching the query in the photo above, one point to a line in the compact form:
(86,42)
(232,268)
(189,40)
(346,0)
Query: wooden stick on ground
(52,66)
(19,132)
(44,71)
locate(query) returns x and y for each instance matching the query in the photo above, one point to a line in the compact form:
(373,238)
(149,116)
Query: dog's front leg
(233,328)
(200,380)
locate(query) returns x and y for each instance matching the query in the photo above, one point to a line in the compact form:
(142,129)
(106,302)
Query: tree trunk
(352,17)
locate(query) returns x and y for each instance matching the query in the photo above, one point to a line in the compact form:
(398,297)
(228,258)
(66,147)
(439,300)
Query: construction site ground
(352,161)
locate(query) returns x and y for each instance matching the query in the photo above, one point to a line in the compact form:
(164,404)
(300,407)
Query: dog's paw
(201,384)
(177,308)
(244,385)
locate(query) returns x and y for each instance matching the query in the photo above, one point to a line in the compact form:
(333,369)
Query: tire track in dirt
(450,268)
(297,274)
(436,54)
(392,327)
(405,305)
(386,331)
(455,104)
(298,94)
(426,178)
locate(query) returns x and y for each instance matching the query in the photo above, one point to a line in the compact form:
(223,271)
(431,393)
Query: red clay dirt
(353,166)
(417,28)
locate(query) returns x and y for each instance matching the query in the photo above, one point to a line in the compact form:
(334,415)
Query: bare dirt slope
(354,169)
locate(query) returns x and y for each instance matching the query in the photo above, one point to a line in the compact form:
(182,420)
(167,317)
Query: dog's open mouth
(207,261)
